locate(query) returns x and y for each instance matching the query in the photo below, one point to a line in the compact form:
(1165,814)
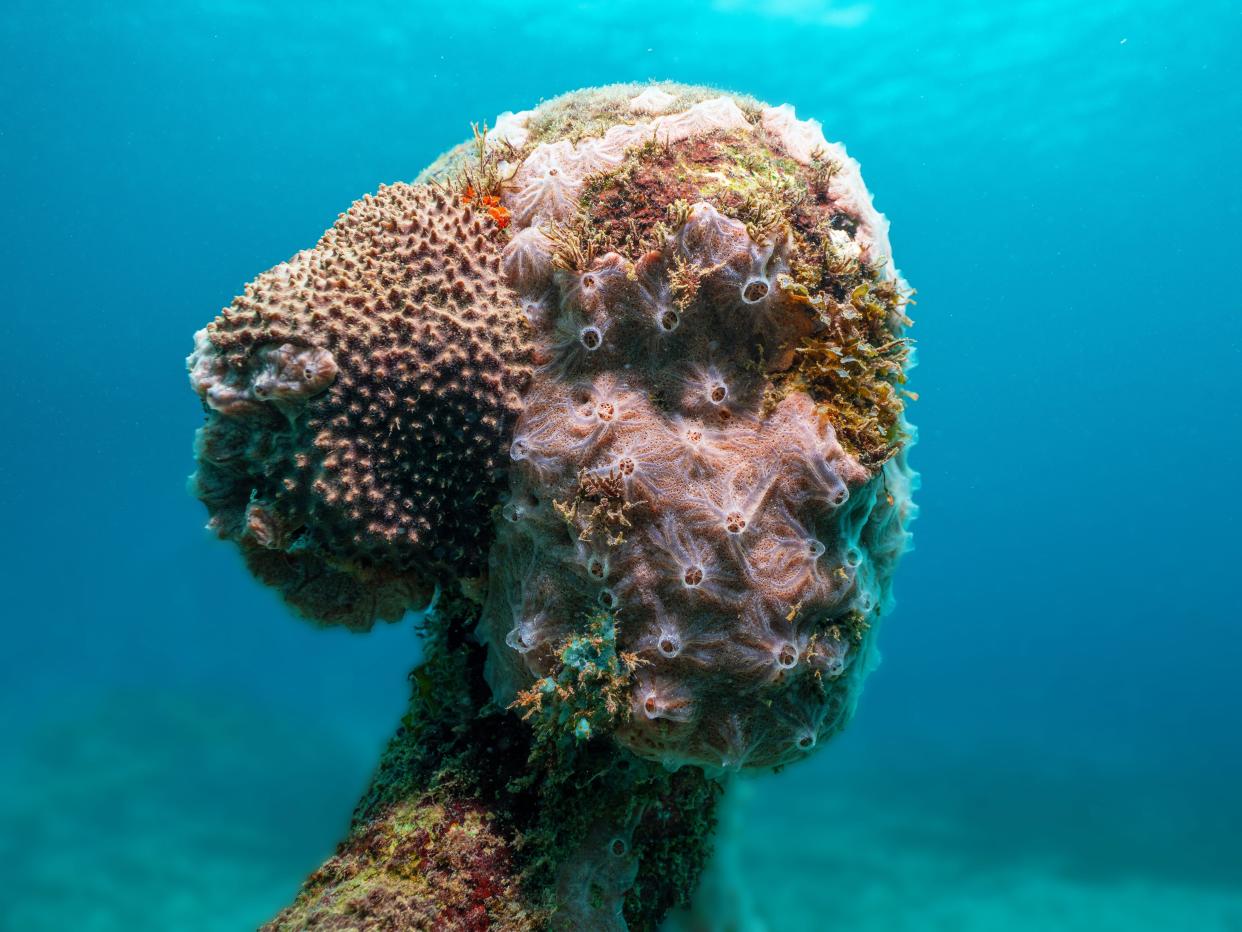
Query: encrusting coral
(622,379)
(358,398)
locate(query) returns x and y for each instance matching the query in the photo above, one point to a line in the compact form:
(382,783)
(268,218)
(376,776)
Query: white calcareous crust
(652,100)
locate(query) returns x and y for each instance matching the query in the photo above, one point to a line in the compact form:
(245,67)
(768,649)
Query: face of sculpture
(631,363)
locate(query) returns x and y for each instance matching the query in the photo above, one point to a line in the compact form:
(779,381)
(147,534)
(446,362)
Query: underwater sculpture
(617,386)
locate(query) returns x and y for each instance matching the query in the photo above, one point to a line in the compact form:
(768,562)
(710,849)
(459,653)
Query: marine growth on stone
(629,366)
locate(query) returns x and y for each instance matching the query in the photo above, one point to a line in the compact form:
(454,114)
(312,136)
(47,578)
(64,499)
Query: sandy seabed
(181,812)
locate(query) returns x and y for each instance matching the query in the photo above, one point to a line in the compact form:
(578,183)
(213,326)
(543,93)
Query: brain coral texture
(636,355)
(358,397)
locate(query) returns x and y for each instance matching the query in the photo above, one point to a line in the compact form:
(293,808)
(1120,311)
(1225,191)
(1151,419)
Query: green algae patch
(584,696)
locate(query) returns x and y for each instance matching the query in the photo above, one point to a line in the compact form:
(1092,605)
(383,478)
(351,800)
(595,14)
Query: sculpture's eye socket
(669,321)
(669,647)
(590,337)
(694,436)
(756,290)
(625,466)
(806,742)
(596,567)
(693,576)
(650,706)
(618,847)
(718,393)
(607,599)
(605,411)
(853,556)
(734,522)
(787,656)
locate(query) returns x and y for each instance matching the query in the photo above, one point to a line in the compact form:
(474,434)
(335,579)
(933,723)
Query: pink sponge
(676,461)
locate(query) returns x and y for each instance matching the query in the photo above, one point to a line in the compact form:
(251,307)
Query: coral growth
(710,444)
(623,378)
(423,864)
(358,398)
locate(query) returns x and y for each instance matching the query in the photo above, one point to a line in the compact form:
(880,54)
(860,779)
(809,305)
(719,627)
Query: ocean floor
(958,845)
(167,812)
(180,812)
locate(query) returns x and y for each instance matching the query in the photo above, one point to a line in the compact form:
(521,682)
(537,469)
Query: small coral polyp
(629,366)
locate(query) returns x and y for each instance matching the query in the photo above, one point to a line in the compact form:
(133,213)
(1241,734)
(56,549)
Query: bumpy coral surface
(358,400)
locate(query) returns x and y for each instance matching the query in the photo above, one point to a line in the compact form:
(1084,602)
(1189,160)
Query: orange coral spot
(500,215)
(469,194)
(490,200)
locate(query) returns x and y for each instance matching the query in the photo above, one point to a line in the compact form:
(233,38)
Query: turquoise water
(1052,741)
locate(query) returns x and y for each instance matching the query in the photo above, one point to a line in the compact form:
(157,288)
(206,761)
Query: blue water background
(1053,739)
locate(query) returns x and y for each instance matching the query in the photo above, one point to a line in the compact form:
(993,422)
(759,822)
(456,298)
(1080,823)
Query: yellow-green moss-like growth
(586,693)
(423,864)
